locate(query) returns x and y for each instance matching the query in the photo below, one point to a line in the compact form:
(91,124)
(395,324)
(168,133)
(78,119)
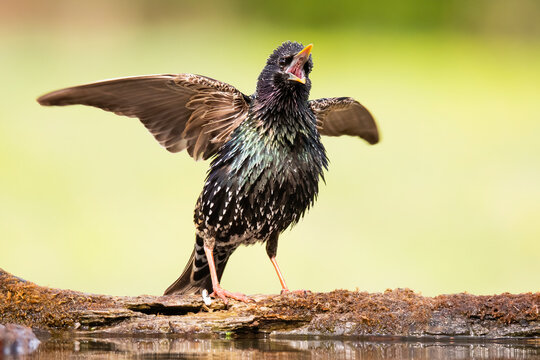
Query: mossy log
(399,312)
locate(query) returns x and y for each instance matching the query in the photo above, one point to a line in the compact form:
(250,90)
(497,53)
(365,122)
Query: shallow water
(272,348)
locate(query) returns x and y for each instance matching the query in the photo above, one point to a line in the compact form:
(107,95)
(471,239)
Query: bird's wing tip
(374,140)
(48,99)
(42,100)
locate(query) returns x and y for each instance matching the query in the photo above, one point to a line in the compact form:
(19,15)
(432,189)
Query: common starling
(267,157)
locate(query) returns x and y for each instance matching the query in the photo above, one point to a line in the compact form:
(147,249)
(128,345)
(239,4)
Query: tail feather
(196,274)
(185,285)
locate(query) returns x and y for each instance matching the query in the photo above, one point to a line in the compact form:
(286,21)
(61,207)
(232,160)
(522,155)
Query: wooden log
(399,312)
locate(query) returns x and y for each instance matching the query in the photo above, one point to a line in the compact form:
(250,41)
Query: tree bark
(399,312)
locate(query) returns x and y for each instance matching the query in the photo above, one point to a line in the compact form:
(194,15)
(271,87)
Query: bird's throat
(282,119)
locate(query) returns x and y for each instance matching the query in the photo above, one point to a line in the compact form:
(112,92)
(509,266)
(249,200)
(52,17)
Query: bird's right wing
(344,116)
(182,111)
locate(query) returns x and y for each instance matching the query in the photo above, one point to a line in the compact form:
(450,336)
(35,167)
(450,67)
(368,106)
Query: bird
(267,158)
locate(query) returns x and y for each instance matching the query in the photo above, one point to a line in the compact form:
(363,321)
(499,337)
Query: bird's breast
(261,183)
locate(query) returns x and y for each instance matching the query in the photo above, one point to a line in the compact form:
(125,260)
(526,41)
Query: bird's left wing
(182,111)
(344,116)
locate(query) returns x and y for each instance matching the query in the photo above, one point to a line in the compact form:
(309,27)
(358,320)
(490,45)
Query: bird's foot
(226,295)
(296,292)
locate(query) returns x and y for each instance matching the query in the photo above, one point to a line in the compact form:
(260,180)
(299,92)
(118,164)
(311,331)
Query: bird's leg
(218,290)
(271,250)
(284,287)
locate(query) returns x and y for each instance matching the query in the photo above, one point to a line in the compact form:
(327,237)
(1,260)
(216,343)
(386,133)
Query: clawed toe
(226,295)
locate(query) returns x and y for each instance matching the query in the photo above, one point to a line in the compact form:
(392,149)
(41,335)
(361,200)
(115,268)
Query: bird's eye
(307,68)
(285,61)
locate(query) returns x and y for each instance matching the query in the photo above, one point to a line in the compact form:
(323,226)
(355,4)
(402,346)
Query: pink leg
(284,287)
(218,290)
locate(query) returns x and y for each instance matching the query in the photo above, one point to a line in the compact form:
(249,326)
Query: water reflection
(265,348)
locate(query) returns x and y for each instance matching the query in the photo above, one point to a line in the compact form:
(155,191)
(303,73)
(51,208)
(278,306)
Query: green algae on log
(399,312)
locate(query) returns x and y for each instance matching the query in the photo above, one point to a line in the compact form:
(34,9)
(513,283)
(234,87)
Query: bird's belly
(249,211)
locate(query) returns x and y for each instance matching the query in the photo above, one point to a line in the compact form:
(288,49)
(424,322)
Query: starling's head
(287,71)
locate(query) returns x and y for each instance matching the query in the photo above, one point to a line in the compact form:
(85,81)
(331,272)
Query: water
(66,347)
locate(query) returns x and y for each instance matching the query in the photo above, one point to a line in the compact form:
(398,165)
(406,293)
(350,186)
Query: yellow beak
(305,51)
(297,64)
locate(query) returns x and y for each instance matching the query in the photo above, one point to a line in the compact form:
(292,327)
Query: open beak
(296,69)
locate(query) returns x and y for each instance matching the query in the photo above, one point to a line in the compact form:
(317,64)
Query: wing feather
(182,111)
(344,116)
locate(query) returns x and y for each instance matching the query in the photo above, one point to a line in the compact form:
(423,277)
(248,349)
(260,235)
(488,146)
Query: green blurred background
(449,201)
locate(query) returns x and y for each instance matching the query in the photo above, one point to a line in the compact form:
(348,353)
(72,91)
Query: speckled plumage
(266,150)
(266,176)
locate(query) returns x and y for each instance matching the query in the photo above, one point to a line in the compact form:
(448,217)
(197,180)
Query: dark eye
(285,61)
(307,67)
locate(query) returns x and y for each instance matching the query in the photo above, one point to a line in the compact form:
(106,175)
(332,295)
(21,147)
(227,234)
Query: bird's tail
(196,274)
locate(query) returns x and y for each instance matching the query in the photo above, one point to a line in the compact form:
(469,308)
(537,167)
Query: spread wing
(344,116)
(182,111)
